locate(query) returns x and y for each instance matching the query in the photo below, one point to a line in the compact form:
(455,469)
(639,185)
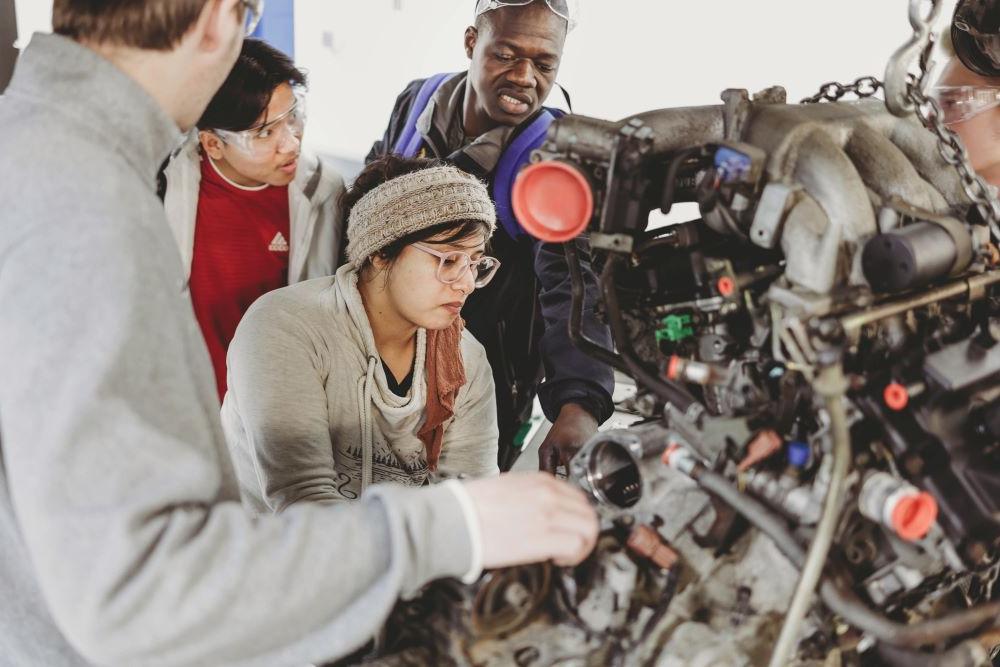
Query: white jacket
(309,415)
(315,218)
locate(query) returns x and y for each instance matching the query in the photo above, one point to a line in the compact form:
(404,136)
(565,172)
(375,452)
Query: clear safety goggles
(453,265)
(567,9)
(960,103)
(254,10)
(265,139)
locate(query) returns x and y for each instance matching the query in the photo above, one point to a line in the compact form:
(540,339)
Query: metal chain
(863,87)
(949,145)
(929,114)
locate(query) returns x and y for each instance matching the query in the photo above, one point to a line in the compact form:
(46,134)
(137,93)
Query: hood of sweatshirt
(398,418)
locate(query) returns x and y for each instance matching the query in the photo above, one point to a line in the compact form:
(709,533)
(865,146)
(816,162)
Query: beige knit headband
(412,202)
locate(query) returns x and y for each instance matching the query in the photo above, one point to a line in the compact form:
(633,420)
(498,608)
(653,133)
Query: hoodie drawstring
(365,388)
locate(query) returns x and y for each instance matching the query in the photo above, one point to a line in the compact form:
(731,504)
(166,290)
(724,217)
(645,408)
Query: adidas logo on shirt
(278,243)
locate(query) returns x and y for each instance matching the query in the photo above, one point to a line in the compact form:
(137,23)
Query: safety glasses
(453,265)
(264,140)
(567,9)
(254,9)
(960,103)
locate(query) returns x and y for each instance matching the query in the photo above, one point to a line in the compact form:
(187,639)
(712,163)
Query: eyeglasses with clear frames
(453,265)
(960,103)
(254,10)
(263,140)
(565,9)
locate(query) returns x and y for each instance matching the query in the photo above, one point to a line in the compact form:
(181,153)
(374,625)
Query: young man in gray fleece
(122,540)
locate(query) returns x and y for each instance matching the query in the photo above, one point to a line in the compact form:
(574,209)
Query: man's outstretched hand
(528,517)
(571,430)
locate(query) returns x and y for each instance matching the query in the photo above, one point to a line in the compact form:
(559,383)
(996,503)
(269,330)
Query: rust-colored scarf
(445,376)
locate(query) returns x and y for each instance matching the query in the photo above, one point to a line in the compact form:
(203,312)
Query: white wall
(626,56)
(32,16)
(360,55)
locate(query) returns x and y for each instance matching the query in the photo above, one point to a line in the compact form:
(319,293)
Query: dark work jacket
(522,316)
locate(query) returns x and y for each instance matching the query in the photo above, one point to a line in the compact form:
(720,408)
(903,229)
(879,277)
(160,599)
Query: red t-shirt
(240,253)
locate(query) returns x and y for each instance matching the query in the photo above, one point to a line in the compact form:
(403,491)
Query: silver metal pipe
(831,385)
(972,287)
(673,129)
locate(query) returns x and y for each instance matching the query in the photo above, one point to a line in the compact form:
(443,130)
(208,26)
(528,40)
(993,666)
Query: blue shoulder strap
(514,157)
(409,139)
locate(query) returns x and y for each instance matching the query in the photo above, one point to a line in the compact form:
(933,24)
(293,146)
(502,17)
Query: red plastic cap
(725,285)
(668,452)
(552,201)
(673,368)
(896,396)
(762,447)
(914,515)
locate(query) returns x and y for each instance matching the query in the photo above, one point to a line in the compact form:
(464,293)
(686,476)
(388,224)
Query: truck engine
(815,478)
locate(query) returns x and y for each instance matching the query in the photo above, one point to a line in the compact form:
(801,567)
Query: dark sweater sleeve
(571,376)
(397,121)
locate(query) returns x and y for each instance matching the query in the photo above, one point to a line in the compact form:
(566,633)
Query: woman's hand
(532,517)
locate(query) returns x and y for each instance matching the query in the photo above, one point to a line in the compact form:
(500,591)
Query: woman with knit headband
(339,384)
(368,376)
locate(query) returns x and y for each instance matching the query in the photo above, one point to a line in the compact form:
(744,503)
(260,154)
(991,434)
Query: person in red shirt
(250,210)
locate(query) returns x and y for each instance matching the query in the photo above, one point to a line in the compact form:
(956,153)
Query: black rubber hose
(670,181)
(578,293)
(668,391)
(842,602)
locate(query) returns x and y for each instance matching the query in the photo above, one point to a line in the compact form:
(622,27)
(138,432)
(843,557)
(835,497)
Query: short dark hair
(248,89)
(392,166)
(144,24)
(483,21)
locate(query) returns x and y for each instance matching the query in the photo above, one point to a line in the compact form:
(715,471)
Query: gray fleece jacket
(309,416)
(122,539)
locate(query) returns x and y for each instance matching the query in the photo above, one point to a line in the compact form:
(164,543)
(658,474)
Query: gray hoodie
(309,416)
(122,539)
